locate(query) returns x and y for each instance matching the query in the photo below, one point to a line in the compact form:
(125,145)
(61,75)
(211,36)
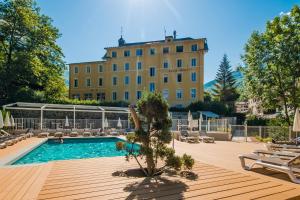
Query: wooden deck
(104,178)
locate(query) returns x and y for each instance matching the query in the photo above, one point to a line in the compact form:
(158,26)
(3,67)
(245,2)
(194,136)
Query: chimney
(174,34)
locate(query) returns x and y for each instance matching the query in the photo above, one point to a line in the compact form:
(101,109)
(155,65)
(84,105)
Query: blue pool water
(72,149)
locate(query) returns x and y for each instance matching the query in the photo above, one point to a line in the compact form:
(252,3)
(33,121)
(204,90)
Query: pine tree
(225,89)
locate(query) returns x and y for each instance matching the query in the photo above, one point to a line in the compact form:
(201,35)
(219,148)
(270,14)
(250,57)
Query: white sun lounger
(290,165)
(43,134)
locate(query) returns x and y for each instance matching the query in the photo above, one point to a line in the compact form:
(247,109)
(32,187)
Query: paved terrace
(219,176)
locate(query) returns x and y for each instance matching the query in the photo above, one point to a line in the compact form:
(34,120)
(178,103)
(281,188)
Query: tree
(30,59)
(153,134)
(272,64)
(225,89)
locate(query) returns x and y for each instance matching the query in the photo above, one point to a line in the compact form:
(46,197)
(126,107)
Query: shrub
(152,125)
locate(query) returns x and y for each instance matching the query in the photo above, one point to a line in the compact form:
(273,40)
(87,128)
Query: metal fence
(250,133)
(206,125)
(35,123)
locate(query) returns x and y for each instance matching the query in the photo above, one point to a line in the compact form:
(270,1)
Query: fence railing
(247,133)
(35,123)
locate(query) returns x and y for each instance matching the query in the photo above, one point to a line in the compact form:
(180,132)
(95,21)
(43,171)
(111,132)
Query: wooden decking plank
(18,192)
(84,174)
(33,191)
(13,185)
(143,190)
(198,192)
(242,190)
(291,194)
(10,181)
(101,187)
(260,193)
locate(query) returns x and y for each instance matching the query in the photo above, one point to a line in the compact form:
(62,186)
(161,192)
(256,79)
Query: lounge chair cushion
(264,159)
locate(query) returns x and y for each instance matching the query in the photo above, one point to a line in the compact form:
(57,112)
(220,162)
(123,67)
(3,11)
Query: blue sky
(87,26)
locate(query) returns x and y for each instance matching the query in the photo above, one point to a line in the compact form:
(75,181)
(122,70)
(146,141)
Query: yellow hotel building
(173,66)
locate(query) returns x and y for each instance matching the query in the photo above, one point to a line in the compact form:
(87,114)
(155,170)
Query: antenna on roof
(121,31)
(165,31)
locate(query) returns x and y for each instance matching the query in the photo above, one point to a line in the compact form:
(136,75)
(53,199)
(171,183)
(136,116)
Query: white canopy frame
(66,108)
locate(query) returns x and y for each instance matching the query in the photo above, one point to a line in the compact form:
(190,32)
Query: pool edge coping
(8,160)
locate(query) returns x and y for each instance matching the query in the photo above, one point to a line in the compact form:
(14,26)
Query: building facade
(174,67)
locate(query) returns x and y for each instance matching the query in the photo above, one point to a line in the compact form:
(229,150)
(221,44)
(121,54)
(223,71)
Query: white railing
(34,123)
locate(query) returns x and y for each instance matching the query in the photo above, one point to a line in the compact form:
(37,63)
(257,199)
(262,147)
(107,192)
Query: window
(100,68)
(165,93)
(179,94)
(126,67)
(76,96)
(165,78)
(179,77)
(139,52)
(152,87)
(138,94)
(139,80)
(139,65)
(88,82)
(152,71)
(194,47)
(126,53)
(165,50)
(76,82)
(194,62)
(179,49)
(88,69)
(114,96)
(76,70)
(126,96)
(114,80)
(179,63)
(194,76)
(166,64)
(152,51)
(114,67)
(114,54)
(100,82)
(193,93)
(88,96)
(101,96)
(126,80)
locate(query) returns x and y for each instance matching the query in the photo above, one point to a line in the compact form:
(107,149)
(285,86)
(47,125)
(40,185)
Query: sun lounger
(74,134)
(183,135)
(281,147)
(207,139)
(59,134)
(86,134)
(43,134)
(3,145)
(290,165)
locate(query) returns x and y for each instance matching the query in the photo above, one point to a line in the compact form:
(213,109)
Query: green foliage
(187,161)
(30,59)
(214,106)
(174,162)
(225,87)
(272,72)
(253,120)
(207,97)
(89,102)
(153,135)
(265,140)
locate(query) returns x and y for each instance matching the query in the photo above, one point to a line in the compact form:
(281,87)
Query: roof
(209,114)
(158,41)
(97,61)
(64,107)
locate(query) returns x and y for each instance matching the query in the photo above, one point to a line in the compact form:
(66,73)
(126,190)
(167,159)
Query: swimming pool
(72,148)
